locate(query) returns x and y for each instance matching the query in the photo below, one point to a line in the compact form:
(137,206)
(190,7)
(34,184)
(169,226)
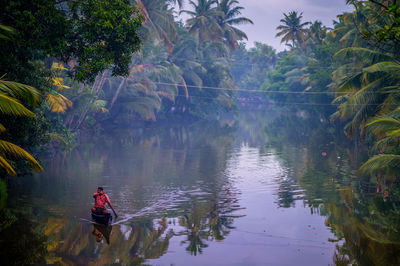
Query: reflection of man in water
(97,234)
(100,200)
(100,231)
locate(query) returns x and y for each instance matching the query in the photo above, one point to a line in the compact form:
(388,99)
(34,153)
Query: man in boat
(100,200)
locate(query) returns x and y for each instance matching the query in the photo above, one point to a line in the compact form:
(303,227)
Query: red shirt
(101,200)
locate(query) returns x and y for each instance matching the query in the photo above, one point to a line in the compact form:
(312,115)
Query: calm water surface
(195,196)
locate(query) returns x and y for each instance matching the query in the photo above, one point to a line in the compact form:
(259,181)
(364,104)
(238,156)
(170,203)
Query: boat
(103,218)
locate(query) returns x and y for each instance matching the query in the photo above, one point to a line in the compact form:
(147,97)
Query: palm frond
(390,68)
(239,21)
(6,33)
(57,137)
(361,52)
(382,144)
(99,106)
(13,151)
(11,106)
(379,163)
(381,125)
(58,103)
(6,166)
(20,91)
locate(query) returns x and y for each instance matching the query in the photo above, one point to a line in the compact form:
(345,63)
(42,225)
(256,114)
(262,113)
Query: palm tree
(292,29)
(387,129)
(230,19)
(204,20)
(160,25)
(155,77)
(364,86)
(369,88)
(10,95)
(316,33)
(159,21)
(348,29)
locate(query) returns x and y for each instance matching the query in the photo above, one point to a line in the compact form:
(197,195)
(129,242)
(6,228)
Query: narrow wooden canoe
(102,218)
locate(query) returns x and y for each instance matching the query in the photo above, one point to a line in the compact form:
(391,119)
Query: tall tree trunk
(69,120)
(115,97)
(81,87)
(97,86)
(121,85)
(71,116)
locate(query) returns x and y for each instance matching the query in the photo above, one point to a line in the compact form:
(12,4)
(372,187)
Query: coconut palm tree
(369,96)
(364,86)
(203,20)
(316,33)
(11,95)
(230,19)
(387,130)
(155,77)
(349,31)
(159,21)
(160,25)
(292,28)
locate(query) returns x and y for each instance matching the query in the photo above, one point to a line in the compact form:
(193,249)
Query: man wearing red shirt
(100,200)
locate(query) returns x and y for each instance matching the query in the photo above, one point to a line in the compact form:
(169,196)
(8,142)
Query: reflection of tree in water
(364,243)
(362,212)
(366,223)
(131,243)
(209,220)
(286,194)
(190,159)
(22,241)
(251,128)
(370,226)
(206,219)
(194,232)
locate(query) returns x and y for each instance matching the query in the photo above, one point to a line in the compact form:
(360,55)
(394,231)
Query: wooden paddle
(112,208)
(114,212)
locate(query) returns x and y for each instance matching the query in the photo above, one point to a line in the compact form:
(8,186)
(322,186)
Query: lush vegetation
(73,67)
(347,77)
(71,53)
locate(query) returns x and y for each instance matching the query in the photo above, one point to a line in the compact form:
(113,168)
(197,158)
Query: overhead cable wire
(273,103)
(244,63)
(254,91)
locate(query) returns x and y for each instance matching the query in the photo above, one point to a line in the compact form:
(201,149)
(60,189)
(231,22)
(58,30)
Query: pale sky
(266,15)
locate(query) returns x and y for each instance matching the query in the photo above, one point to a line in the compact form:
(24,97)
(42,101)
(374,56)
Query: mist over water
(198,194)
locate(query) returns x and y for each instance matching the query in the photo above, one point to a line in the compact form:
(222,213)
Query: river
(211,194)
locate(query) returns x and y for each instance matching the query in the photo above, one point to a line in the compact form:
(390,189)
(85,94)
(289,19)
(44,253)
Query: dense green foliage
(348,73)
(172,75)
(90,35)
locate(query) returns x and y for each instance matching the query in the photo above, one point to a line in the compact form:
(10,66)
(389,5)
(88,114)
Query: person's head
(100,190)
